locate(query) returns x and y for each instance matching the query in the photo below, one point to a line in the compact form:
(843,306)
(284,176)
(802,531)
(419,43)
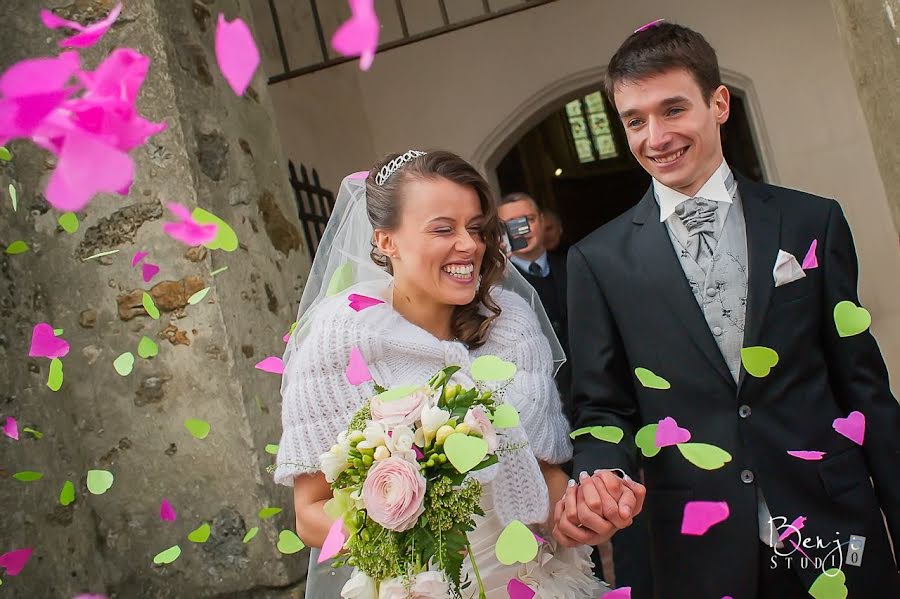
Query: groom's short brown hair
(664,47)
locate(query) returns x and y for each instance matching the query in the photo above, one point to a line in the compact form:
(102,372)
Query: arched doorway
(576,160)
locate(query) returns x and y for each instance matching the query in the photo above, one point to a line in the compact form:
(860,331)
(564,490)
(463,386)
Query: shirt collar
(715,189)
(523,264)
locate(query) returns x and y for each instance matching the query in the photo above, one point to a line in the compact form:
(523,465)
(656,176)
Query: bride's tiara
(388,169)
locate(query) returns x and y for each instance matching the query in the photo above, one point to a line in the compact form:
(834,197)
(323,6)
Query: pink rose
(478,422)
(394,494)
(404,411)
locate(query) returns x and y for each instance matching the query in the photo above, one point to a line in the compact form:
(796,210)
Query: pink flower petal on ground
(811,261)
(700,516)
(138,256)
(44,344)
(14,561)
(334,542)
(166,511)
(271,364)
(186,229)
(669,433)
(807,455)
(361,302)
(236,53)
(148,271)
(358,36)
(357,370)
(87,166)
(518,589)
(794,527)
(11,428)
(853,426)
(87,35)
(620,593)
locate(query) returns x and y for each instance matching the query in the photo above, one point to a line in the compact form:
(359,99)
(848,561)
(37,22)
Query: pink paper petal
(361,302)
(138,256)
(357,370)
(14,561)
(166,511)
(539,538)
(700,516)
(87,166)
(669,433)
(271,364)
(236,53)
(518,589)
(11,428)
(358,36)
(811,261)
(794,527)
(620,593)
(649,25)
(35,76)
(186,229)
(358,175)
(334,542)
(148,271)
(853,426)
(44,344)
(87,35)
(807,455)
(90,597)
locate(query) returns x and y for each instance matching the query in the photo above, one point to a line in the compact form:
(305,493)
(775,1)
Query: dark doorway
(577,162)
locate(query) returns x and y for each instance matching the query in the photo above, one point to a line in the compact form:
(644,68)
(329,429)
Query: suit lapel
(657,256)
(763,221)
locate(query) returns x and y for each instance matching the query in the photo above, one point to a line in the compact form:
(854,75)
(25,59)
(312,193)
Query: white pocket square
(787,269)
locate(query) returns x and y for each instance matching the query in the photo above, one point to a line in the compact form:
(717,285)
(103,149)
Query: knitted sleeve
(317,400)
(516,336)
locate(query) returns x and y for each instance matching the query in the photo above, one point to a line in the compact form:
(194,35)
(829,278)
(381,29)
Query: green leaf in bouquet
(490,461)
(492,369)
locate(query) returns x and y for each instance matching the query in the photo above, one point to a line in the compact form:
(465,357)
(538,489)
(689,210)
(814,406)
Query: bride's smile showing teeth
(462,272)
(669,158)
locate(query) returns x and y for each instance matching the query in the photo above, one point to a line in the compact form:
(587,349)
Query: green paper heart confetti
(58,332)
(289,542)
(516,544)
(55,376)
(250,534)
(646,440)
(14,197)
(198,297)
(580,431)
(397,393)
(124,363)
(68,222)
(200,534)
(147,348)
(5,154)
(268,512)
(851,319)
(610,434)
(830,584)
(149,306)
(36,434)
(225,238)
(506,416)
(168,556)
(465,452)
(28,476)
(341,279)
(198,428)
(99,481)
(67,495)
(17,247)
(759,361)
(272,449)
(492,369)
(651,380)
(703,455)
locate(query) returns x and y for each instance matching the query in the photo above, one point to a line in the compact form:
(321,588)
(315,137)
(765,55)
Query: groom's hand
(617,499)
(570,530)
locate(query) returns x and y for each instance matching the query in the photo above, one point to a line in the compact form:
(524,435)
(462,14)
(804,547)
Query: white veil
(343,262)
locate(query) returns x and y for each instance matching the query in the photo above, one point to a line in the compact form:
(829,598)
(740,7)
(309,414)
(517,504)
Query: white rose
(430,585)
(374,434)
(400,442)
(478,422)
(360,586)
(433,418)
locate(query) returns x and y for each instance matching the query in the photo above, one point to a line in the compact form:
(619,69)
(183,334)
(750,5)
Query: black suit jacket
(631,306)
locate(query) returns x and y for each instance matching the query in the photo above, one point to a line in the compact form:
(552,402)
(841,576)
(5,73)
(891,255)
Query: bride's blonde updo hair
(384,186)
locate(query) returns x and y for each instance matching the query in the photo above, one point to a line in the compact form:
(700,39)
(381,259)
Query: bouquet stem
(481,594)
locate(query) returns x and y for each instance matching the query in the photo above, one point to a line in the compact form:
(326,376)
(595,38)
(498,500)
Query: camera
(516,230)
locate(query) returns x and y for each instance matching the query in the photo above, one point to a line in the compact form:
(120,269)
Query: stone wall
(220,153)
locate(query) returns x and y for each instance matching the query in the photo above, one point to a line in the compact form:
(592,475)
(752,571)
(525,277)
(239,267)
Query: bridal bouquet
(402,498)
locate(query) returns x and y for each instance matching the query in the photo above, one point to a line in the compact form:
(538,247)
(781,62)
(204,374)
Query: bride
(421,233)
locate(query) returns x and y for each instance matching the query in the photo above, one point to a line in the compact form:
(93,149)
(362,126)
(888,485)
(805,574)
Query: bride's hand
(575,524)
(617,500)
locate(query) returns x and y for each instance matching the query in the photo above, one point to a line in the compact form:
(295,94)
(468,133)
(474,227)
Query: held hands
(591,512)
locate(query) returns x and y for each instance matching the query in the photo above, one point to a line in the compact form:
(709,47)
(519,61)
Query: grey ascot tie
(699,218)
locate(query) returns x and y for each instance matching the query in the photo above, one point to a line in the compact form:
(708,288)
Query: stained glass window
(590,127)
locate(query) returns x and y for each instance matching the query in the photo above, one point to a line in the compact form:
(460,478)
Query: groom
(708,263)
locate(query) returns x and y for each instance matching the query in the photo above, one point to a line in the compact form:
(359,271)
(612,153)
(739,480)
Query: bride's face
(438,247)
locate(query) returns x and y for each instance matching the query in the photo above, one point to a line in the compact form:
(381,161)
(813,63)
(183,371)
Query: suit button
(744,411)
(717,331)
(747,476)
(711,292)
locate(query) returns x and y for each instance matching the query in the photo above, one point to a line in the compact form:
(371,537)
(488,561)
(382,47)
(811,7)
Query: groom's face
(672,131)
